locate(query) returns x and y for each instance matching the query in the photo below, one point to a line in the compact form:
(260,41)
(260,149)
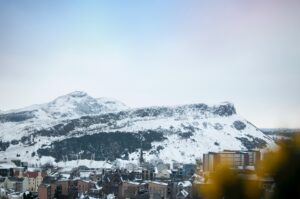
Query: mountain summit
(72,105)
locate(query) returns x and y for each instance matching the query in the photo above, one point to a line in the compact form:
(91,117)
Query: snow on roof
(185,183)
(131,182)
(86,181)
(65,175)
(160,183)
(33,169)
(15,195)
(85,174)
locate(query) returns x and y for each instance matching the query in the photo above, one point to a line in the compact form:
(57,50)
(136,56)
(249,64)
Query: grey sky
(155,53)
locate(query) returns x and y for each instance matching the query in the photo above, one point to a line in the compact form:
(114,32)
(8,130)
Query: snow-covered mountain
(72,105)
(77,126)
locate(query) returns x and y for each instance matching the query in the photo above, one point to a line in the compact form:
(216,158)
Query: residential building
(163,174)
(158,190)
(17,184)
(83,186)
(232,159)
(6,172)
(111,183)
(64,184)
(177,174)
(95,191)
(148,174)
(35,178)
(50,180)
(44,191)
(128,190)
(188,170)
(3,182)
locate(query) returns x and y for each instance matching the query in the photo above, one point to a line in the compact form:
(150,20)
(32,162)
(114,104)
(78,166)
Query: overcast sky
(155,53)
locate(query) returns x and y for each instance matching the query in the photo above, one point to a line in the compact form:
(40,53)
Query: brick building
(44,191)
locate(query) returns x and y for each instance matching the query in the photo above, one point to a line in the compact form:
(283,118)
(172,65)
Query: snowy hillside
(77,126)
(15,124)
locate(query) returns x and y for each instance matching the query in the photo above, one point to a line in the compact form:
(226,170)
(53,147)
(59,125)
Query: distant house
(50,180)
(158,190)
(17,170)
(232,159)
(182,190)
(83,186)
(111,183)
(64,189)
(128,190)
(44,191)
(54,188)
(148,173)
(85,174)
(177,174)
(64,185)
(164,173)
(17,184)
(35,178)
(188,170)
(95,191)
(3,182)
(95,177)
(177,165)
(135,175)
(160,166)
(6,172)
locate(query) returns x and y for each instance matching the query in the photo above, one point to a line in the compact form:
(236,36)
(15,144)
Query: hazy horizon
(155,53)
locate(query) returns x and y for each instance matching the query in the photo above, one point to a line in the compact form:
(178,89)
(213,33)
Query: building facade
(44,191)
(231,159)
(158,190)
